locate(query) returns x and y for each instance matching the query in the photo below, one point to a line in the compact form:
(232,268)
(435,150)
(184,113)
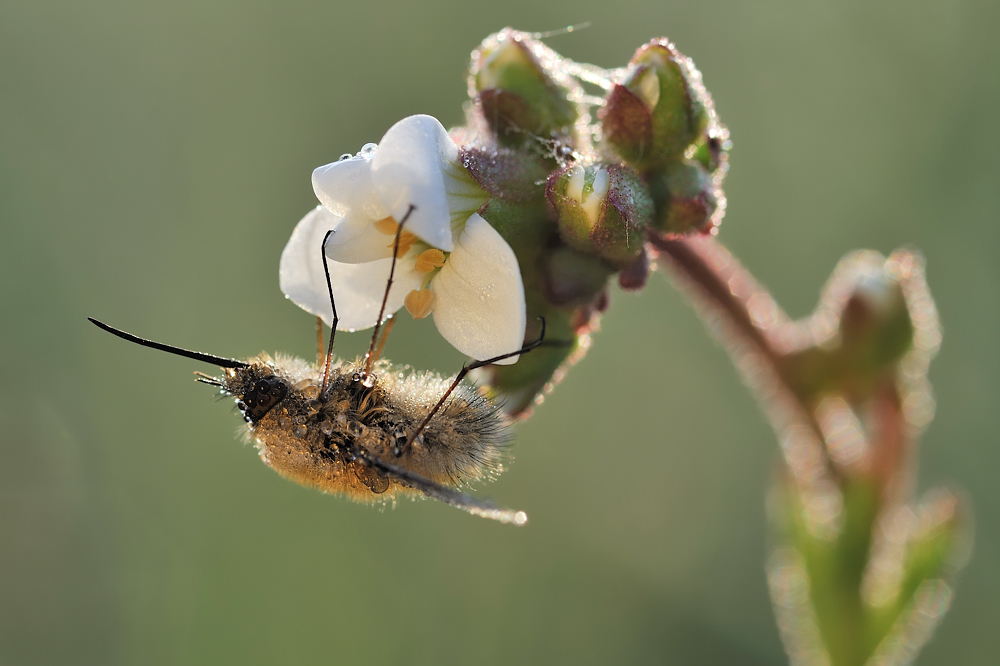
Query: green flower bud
(601,209)
(659,110)
(688,199)
(519,97)
(875,326)
(876,329)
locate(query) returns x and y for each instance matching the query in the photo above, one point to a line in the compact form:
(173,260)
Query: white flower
(451,262)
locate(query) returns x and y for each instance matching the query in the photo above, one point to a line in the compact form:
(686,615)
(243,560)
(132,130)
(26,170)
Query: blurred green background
(153,161)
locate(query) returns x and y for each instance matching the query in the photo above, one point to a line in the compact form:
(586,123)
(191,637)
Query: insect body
(352,439)
(368,435)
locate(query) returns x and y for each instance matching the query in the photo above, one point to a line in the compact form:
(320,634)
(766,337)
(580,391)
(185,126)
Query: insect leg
(450,496)
(319,340)
(333,324)
(369,357)
(389,323)
(458,380)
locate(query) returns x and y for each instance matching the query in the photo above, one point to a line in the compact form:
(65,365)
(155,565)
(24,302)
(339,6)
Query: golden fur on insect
(346,440)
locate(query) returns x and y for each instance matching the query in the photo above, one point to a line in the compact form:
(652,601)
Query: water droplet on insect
(284,421)
(368,150)
(356,428)
(300,430)
(311,391)
(345,156)
(341,418)
(368,381)
(326,427)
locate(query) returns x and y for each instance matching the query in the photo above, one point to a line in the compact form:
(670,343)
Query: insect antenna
(369,357)
(450,496)
(220,361)
(458,380)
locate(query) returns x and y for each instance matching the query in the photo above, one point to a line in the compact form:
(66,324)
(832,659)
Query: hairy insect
(365,428)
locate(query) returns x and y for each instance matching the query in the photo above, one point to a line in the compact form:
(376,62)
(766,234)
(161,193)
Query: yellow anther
(430,259)
(386,226)
(419,303)
(406,241)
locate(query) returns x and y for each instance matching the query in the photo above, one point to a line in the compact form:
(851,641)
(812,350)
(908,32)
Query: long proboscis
(220,361)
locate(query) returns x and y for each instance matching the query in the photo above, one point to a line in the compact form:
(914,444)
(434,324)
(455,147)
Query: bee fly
(365,428)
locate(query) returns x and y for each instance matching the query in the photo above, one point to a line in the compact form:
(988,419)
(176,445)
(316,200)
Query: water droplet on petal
(368,150)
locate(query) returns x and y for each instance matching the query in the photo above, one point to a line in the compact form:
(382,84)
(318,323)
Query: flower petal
(478,295)
(357,241)
(358,288)
(408,169)
(345,187)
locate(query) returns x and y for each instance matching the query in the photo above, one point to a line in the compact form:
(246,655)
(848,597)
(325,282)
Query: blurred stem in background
(859,574)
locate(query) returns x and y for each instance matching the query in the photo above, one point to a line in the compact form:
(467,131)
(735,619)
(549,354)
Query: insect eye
(262,398)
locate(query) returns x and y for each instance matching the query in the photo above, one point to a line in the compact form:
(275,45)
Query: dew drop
(341,418)
(284,421)
(300,430)
(345,156)
(369,381)
(356,428)
(368,150)
(311,391)
(326,427)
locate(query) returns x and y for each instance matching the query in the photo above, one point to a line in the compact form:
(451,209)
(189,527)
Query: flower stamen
(430,259)
(387,226)
(419,303)
(406,241)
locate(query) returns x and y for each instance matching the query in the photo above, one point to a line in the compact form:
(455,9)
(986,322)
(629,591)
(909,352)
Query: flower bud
(688,199)
(519,96)
(875,326)
(875,329)
(601,209)
(659,109)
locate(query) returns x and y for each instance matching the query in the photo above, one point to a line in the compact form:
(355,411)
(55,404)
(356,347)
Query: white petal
(478,295)
(301,270)
(408,169)
(356,241)
(345,187)
(358,288)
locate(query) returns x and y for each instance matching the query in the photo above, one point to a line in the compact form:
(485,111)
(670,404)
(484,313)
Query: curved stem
(718,284)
